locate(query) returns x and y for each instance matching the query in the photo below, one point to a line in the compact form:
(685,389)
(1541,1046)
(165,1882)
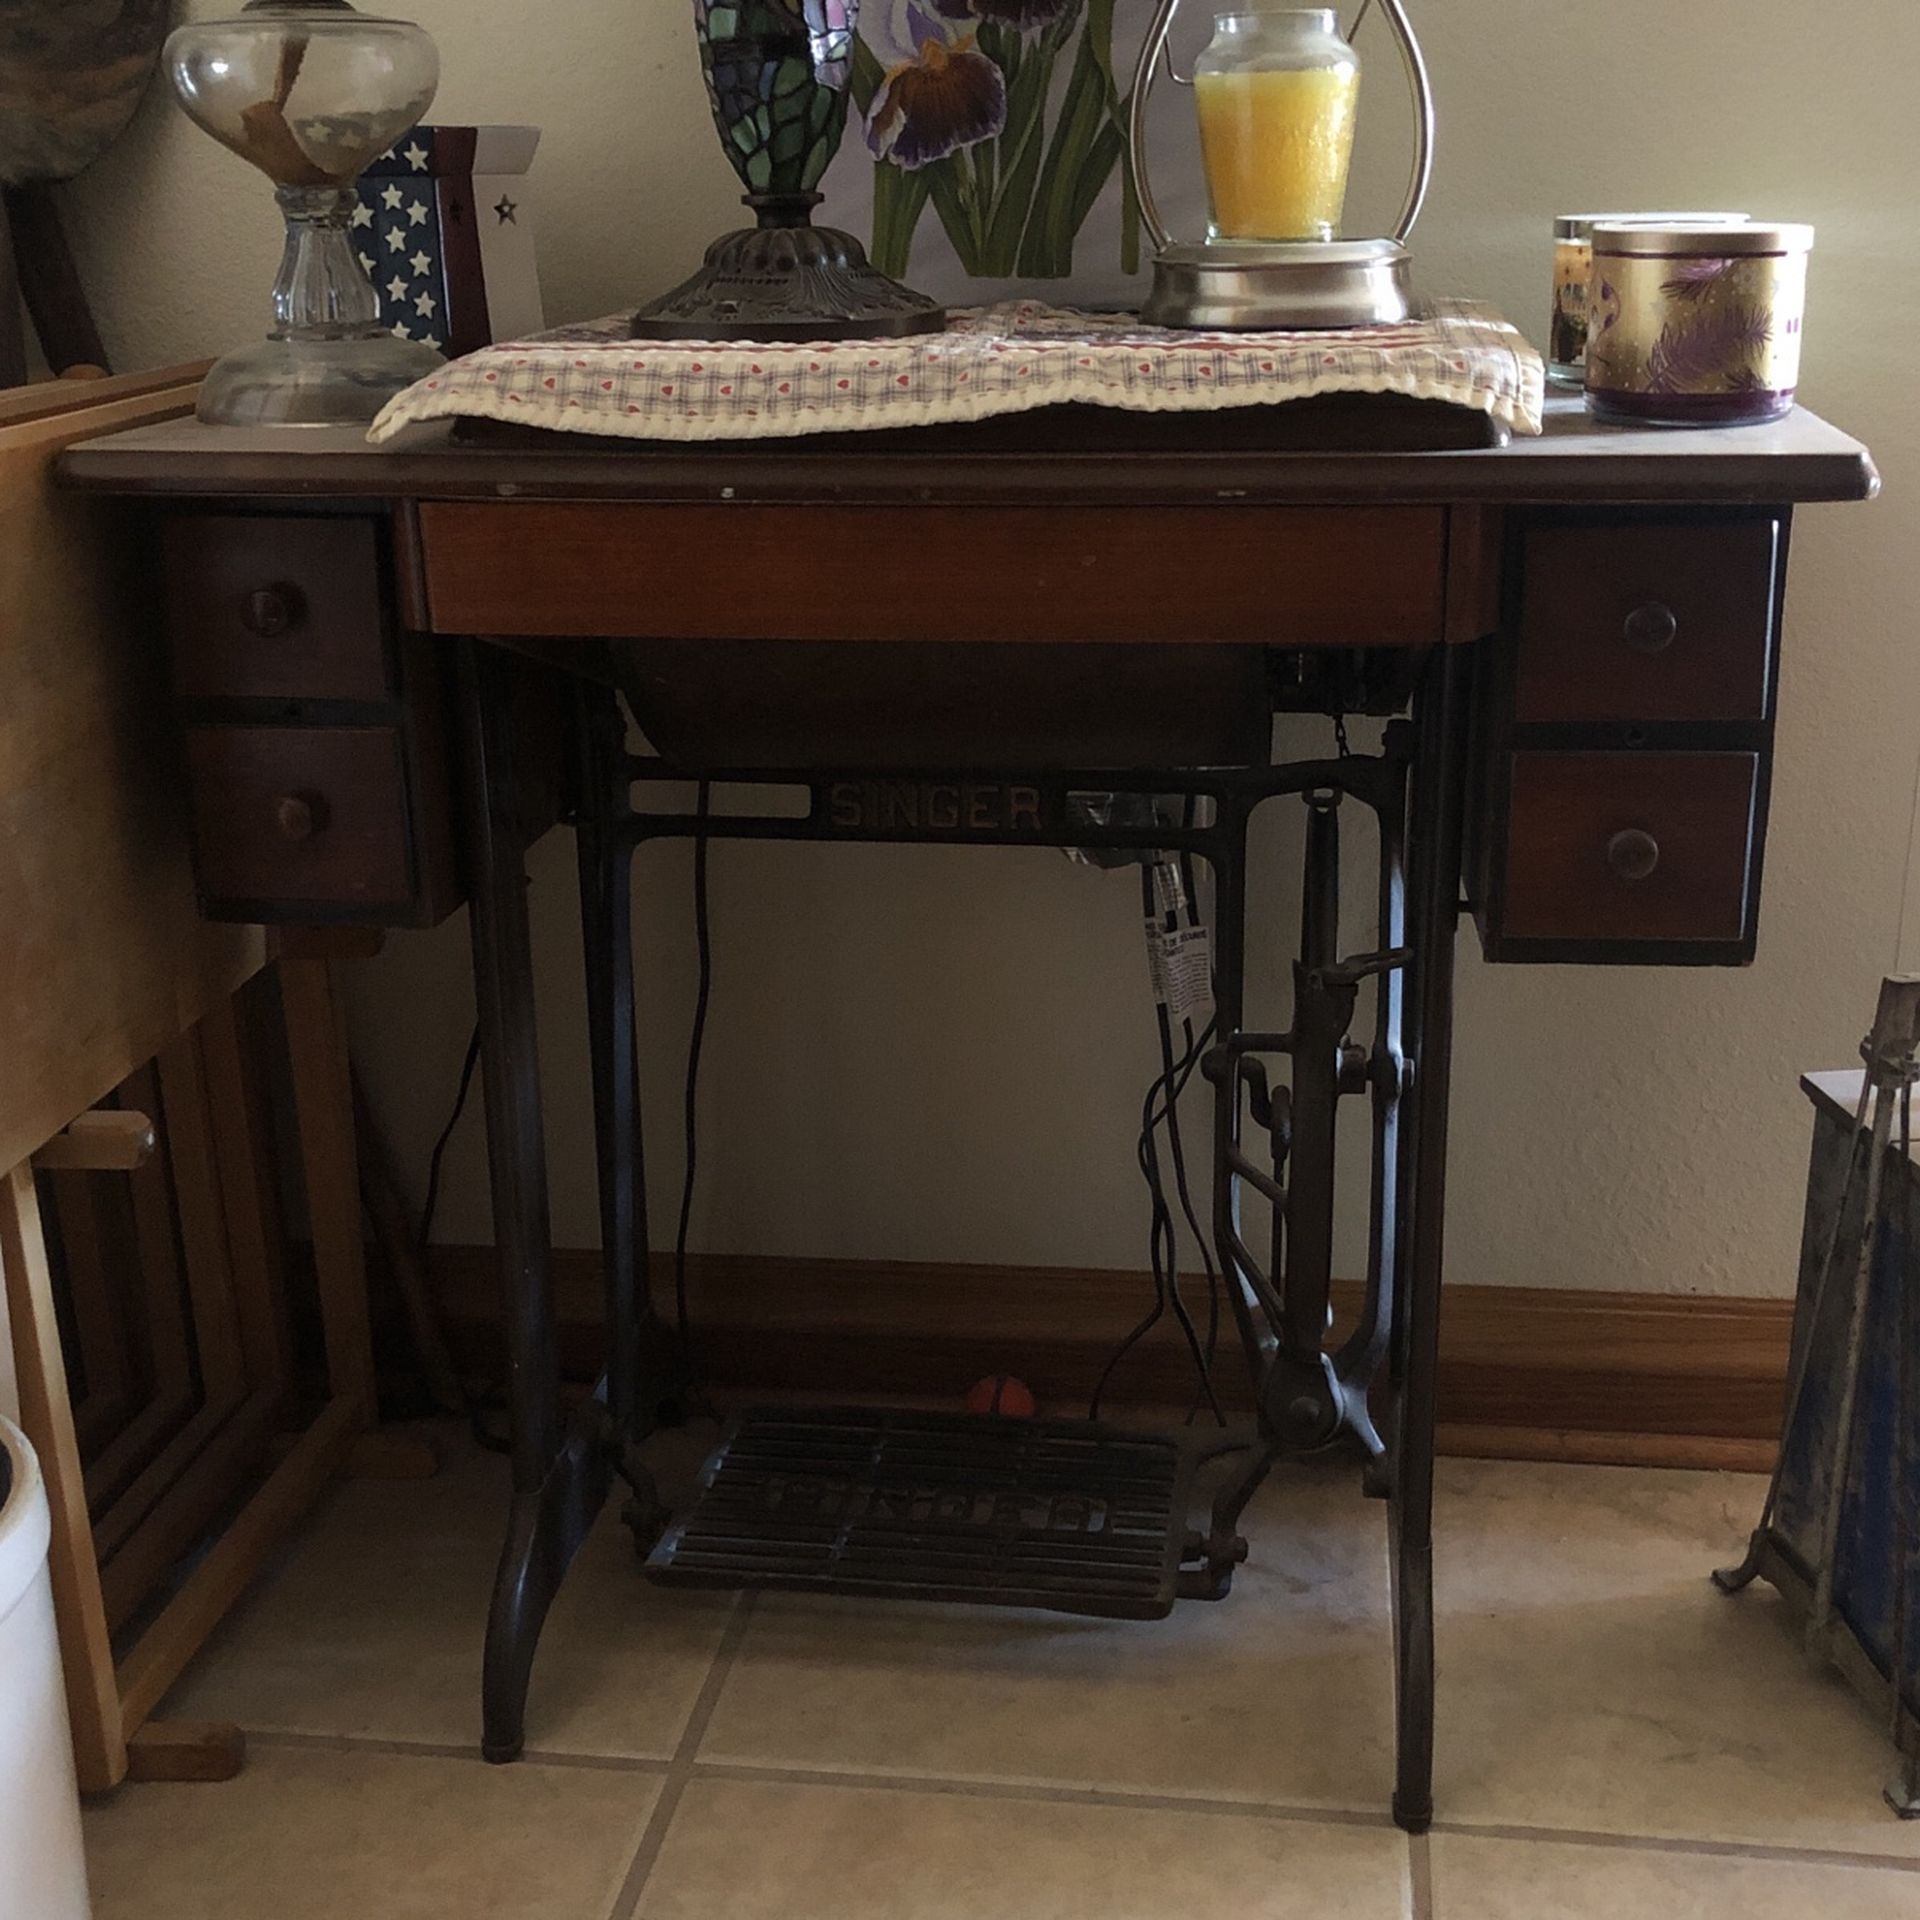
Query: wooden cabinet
(1627,730)
(315,723)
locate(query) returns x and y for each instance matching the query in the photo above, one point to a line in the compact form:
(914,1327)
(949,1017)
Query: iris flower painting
(1002,116)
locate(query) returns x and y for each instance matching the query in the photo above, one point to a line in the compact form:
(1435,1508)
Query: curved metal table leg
(1436,808)
(559,1480)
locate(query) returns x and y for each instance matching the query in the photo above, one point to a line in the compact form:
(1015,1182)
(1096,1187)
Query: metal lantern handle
(1153,54)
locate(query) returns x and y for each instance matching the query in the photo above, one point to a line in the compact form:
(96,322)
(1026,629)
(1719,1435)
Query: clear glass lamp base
(308,381)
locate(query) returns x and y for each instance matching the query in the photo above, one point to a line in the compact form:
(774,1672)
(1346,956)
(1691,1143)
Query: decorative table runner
(1009,358)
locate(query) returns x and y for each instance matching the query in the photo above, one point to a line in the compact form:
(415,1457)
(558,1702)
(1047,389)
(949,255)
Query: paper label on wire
(1169,892)
(1180,962)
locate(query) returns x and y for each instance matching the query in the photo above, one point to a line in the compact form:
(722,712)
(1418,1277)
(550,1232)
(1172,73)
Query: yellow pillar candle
(1277,143)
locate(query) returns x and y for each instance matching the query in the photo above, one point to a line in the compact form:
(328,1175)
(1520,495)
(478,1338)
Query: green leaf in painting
(866,76)
(1095,171)
(899,199)
(1099,36)
(958,215)
(1129,222)
(1046,247)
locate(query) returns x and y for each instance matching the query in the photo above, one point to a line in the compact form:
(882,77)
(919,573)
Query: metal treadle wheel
(1066,1515)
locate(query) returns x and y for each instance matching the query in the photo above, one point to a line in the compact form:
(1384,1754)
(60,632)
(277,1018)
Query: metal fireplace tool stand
(1064,1514)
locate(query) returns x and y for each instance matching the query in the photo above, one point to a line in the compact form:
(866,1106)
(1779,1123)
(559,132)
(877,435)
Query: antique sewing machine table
(395,668)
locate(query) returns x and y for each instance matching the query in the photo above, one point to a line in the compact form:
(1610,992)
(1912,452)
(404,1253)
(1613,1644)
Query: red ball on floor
(1001,1393)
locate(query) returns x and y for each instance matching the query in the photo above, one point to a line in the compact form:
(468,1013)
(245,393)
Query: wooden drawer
(1625,847)
(281,609)
(1254,575)
(1647,623)
(315,815)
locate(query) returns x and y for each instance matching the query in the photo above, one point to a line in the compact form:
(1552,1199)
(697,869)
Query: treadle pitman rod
(1308,1396)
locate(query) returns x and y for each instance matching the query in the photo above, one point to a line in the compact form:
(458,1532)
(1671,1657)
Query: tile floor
(1616,1739)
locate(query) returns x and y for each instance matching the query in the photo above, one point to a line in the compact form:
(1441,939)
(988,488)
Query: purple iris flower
(938,93)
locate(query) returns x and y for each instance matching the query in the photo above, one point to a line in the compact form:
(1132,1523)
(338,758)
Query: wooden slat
(94,1712)
(107,1391)
(201,1206)
(241,1143)
(198,1750)
(1282,576)
(185,1481)
(323,1102)
(102,1140)
(106,957)
(171,388)
(142,1446)
(161,1653)
(139,1278)
(155,1253)
(228,1446)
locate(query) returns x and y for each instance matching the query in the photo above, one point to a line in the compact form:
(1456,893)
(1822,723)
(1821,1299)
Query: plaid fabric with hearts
(1002,359)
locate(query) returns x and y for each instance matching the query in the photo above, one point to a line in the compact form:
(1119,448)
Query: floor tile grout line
(1419,1877)
(1037,1792)
(1682,1844)
(680,1770)
(447,1750)
(686,1761)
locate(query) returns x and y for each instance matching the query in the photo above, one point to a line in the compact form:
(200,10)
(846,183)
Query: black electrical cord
(703,943)
(1161,1104)
(1191,894)
(430,1205)
(1202,1366)
(1150,1118)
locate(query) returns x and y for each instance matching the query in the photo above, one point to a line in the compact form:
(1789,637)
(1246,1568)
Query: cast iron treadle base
(1060,1514)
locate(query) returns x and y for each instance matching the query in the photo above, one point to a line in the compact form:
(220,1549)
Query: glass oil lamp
(1277,96)
(309,91)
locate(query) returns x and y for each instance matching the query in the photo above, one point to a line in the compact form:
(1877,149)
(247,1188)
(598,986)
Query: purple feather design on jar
(1693,280)
(1693,356)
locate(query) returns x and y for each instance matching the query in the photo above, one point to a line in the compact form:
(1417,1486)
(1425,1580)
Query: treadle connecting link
(1066,1515)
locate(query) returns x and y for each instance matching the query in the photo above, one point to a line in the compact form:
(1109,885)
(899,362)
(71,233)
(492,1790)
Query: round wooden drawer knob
(1633,855)
(300,816)
(267,612)
(1650,629)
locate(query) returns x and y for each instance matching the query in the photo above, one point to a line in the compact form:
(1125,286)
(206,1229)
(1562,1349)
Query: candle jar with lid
(1696,325)
(1277,92)
(1573,267)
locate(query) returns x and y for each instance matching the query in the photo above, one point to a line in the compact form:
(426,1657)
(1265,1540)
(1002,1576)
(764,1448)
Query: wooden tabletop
(1042,457)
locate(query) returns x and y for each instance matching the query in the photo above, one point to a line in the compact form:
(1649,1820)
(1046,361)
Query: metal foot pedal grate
(1060,1514)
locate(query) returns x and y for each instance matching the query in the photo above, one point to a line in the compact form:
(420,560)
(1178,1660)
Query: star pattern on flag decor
(397,233)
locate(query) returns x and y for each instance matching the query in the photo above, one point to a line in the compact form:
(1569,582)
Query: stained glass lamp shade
(778,74)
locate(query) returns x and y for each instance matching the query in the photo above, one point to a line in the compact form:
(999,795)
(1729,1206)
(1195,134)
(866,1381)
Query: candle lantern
(1277,94)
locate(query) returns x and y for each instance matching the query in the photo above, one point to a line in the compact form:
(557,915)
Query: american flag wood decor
(445,233)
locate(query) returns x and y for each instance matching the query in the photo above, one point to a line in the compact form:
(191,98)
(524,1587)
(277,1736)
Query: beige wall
(940,1054)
